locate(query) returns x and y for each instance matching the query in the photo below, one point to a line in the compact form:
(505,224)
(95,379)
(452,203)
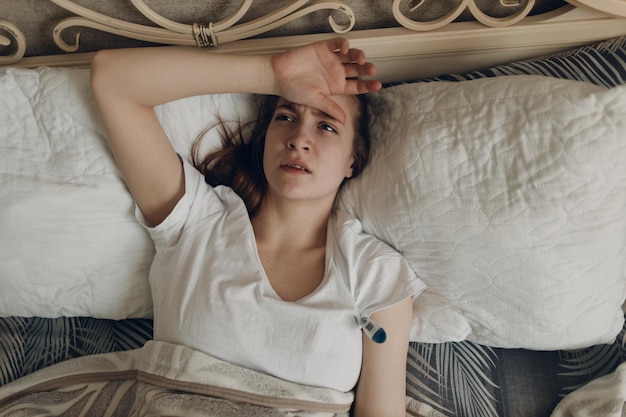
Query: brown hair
(239,164)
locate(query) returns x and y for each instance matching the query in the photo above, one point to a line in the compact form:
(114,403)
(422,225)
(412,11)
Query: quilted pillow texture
(69,242)
(508,197)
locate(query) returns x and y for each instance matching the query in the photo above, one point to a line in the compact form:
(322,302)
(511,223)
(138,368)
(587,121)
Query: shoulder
(200,203)
(377,275)
(354,242)
(363,254)
(196,188)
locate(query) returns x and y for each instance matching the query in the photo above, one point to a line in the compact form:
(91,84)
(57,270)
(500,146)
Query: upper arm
(150,166)
(381,390)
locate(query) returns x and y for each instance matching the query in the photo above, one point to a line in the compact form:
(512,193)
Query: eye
(284,117)
(328,127)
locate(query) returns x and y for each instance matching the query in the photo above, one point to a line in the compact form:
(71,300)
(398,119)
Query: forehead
(348,103)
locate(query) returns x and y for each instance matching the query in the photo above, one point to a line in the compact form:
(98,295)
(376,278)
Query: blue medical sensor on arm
(373,330)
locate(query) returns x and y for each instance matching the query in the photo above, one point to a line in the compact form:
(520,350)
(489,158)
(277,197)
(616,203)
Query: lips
(296,165)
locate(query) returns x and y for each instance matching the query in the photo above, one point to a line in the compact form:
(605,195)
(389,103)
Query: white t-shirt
(211,293)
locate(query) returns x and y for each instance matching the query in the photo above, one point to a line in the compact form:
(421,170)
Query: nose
(299,140)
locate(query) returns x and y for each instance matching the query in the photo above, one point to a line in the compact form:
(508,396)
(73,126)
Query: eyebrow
(293,107)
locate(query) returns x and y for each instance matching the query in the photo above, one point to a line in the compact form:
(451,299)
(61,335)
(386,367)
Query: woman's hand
(312,73)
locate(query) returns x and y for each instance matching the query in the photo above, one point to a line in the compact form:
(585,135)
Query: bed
(497,170)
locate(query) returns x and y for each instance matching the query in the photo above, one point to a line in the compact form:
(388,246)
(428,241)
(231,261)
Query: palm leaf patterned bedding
(457,379)
(461,379)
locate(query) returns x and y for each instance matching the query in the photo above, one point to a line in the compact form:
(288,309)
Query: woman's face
(307,153)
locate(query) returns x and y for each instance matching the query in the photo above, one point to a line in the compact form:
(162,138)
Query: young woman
(262,271)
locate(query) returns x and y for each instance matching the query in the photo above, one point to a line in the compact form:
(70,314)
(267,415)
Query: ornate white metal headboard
(209,35)
(172,33)
(433,43)
(17,37)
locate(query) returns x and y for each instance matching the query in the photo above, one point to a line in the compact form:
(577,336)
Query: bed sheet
(457,379)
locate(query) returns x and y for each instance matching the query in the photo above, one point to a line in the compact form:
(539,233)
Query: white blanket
(164,379)
(173,380)
(603,397)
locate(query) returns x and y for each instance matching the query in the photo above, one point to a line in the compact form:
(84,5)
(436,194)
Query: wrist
(253,74)
(268,75)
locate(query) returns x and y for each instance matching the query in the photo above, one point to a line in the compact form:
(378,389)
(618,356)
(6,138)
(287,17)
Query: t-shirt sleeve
(379,275)
(198,202)
(385,280)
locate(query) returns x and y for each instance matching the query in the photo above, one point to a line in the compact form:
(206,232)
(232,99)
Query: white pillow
(506,195)
(69,243)
(508,198)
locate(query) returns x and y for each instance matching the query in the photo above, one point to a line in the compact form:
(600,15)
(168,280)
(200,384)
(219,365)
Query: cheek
(266,159)
(274,139)
(342,161)
(267,151)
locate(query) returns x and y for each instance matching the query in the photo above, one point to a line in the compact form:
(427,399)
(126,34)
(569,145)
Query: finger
(357,56)
(373,85)
(339,45)
(369,69)
(354,70)
(353,56)
(362,86)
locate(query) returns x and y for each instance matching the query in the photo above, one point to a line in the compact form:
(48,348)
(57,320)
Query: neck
(297,225)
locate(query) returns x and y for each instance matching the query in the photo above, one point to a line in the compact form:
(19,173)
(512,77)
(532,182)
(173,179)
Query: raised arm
(128,83)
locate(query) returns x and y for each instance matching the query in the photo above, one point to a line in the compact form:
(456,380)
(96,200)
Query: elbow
(98,65)
(103,72)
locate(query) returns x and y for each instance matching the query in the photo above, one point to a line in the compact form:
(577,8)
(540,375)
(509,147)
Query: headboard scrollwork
(173,33)
(470,5)
(600,18)
(16,37)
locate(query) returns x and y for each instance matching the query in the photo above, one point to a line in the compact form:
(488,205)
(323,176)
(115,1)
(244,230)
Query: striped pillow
(602,63)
